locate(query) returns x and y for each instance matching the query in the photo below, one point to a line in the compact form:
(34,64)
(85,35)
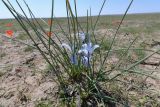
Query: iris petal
(66,46)
(94,47)
(84,46)
(83,52)
(85,61)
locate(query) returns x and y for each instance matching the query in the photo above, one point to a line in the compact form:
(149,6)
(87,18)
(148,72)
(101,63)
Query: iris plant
(85,52)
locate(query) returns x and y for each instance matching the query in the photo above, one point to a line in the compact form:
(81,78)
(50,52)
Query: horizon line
(119,14)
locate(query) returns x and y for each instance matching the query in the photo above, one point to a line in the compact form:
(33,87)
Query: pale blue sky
(41,8)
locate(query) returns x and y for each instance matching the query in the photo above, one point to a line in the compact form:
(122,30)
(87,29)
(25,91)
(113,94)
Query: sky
(42,8)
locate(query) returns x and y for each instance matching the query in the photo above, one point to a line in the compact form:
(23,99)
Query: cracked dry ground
(22,84)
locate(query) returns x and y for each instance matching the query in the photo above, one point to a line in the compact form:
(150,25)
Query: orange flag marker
(49,22)
(9,33)
(49,34)
(9,25)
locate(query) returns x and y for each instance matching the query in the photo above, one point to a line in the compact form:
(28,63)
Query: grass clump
(44,104)
(105,45)
(3,54)
(1,73)
(139,53)
(28,49)
(22,36)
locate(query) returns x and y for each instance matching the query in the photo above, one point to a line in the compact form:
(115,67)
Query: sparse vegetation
(3,54)
(105,45)
(140,54)
(22,36)
(116,81)
(28,49)
(44,104)
(1,74)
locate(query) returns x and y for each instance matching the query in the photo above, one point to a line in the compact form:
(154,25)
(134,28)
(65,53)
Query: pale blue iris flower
(87,49)
(73,57)
(85,52)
